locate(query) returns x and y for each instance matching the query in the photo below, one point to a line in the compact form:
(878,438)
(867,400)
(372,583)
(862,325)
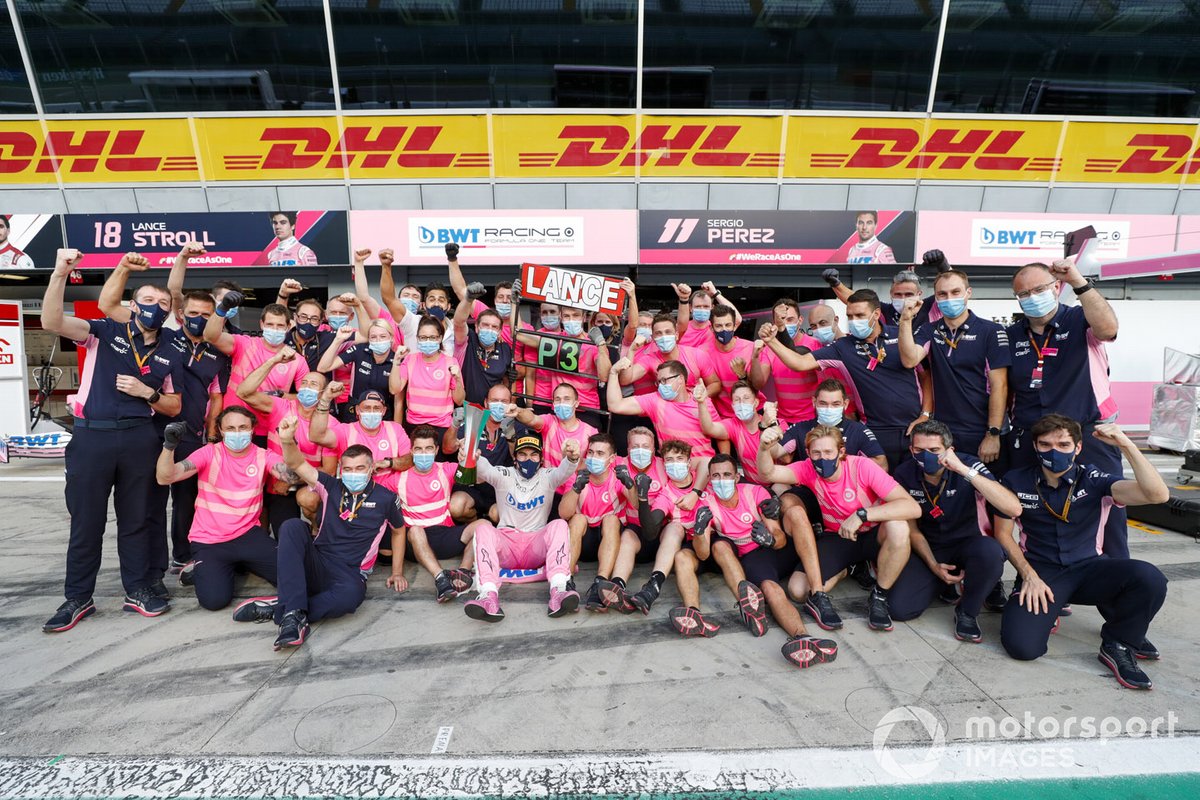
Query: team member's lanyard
(1071,496)
(197,351)
(950,338)
(142,361)
(484,356)
(934,511)
(1043,352)
(348,512)
(877,359)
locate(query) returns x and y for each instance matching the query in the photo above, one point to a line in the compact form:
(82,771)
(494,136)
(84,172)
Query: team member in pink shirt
(696,310)
(387,441)
(249,352)
(580,357)
(743,429)
(427,385)
(863,513)
(226,534)
(794,390)
(564,424)
(645,361)
(672,411)
(731,355)
(424,492)
(593,509)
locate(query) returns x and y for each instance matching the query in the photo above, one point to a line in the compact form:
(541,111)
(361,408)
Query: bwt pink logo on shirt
(683,227)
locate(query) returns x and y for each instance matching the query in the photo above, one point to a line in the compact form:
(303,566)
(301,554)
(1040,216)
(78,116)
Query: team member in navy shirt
(1059,366)
(969,359)
(483,356)
(113,445)
(830,405)
(893,397)
(906,286)
(478,501)
(950,545)
(371,362)
(1064,506)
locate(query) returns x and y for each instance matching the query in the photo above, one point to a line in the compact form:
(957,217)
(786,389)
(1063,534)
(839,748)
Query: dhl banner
(580,146)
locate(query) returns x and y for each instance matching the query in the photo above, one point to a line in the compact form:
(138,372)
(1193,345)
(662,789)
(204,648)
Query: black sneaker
(644,598)
(997,599)
(461,579)
(949,594)
(176,567)
(613,595)
(879,617)
(187,574)
(1120,659)
(146,603)
(571,584)
(966,629)
(1146,650)
(594,601)
(293,630)
(821,609)
(68,615)
(806,651)
(1066,611)
(159,590)
(256,609)
(861,572)
(445,587)
(752,607)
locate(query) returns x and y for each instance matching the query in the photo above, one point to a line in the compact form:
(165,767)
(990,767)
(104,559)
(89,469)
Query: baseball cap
(528,441)
(372,394)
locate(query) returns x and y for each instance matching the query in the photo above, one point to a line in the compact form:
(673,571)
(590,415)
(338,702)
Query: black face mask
(151,317)
(724,337)
(195,325)
(606,331)
(306,330)
(437,312)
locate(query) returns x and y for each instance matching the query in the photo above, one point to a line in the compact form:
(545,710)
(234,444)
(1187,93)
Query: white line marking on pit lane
(37,478)
(442,742)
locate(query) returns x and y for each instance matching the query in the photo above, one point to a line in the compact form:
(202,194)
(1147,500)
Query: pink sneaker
(486,608)
(562,602)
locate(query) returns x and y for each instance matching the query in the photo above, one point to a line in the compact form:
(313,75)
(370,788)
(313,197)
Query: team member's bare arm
(1100,315)
(926,380)
(793,360)
(768,471)
(387,285)
(318,426)
(717,297)
(711,428)
(397,382)
(362,290)
(166,471)
(631,312)
(840,290)
(114,287)
(53,318)
(457,282)
(292,457)
(458,389)
(216,403)
(331,359)
(1035,594)
(462,312)
(684,316)
(525,416)
(921,548)
(248,390)
(617,404)
(287,288)
(396,581)
(989,448)
(1147,486)
(175,279)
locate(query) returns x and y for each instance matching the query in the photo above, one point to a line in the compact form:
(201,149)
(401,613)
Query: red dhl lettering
(656,145)
(947,148)
(362,146)
(1156,153)
(79,152)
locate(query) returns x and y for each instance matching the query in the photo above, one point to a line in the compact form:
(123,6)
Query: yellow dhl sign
(573,146)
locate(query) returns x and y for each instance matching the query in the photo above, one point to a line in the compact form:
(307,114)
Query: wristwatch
(993,431)
(1087,287)
(154,398)
(861,514)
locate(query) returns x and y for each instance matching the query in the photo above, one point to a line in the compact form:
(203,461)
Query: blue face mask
(572,327)
(550,323)
(371,419)
(824,335)
(306,330)
(273,336)
(380,347)
(928,461)
(564,411)
(953,307)
(195,325)
(423,461)
(151,316)
(497,411)
(355,481)
(667,392)
(677,470)
(743,411)
(410,305)
(723,487)
(825,467)
(487,338)
(504,309)
(605,330)
(724,337)
(528,468)
(336,321)
(861,328)
(645,333)
(437,312)
(898,303)
(1039,304)
(701,314)
(595,466)
(665,343)
(792,330)
(232,315)
(236,441)
(829,416)
(640,457)
(1056,461)
(307,397)
(428,348)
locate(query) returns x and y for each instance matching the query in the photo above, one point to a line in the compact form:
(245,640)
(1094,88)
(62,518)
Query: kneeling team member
(593,509)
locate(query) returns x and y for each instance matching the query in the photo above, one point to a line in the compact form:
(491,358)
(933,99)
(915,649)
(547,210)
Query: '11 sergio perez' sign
(519,236)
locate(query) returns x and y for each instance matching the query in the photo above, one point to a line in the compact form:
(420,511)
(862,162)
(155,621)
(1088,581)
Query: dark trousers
(280,508)
(894,442)
(183,506)
(100,463)
(158,555)
(1103,457)
(981,559)
(312,582)
(254,550)
(1126,592)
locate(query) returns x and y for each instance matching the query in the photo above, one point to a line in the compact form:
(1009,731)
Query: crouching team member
(323,573)
(593,508)
(951,537)
(478,501)
(226,533)
(524,539)
(1064,508)
(747,516)
(863,516)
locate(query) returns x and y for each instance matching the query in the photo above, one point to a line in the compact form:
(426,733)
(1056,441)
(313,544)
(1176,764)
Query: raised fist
(191,250)
(475,289)
(135,262)
(173,434)
(387,256)
(361,255)
(597,336)
(832,277)
(452,251)
(935,258)
(622,473)
(230,301)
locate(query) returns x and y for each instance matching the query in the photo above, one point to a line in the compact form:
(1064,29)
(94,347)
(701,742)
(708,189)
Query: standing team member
(288,252)
(113,445)
(675,415)
(743,428)
(369,363)
(305,336)
(1064,502)
(226,534)
(1060,366)
(794,388)
(647,359)
(484,357)
(580,358)
(558,428)
(427,384)
(906,285)
(323,572)
(952,538)
(969,363)
(403,310)
(732,357)
(696,309)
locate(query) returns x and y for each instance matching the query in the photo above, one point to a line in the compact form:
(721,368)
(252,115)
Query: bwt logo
(1003,238)
(447,235)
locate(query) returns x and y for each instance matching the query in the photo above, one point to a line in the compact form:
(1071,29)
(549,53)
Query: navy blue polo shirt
(960,510)
(890,316)
(858,437)
(349,540)
(1045,537)
(312,349)
(885,390)
(366,374)
(199,368)
(1074,371)
(481,369)
(118,348)
(960,361)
